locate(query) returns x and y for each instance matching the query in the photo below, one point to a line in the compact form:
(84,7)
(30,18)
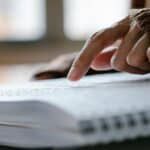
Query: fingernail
(73,74)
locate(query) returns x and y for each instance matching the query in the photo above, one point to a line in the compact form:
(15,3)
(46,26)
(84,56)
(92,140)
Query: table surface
(138,144)
(18,73)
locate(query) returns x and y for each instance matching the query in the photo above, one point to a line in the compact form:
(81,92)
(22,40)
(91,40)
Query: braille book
(58,113)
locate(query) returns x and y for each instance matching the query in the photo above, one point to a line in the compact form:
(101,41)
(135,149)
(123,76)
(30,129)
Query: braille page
(96,99)
(92,97)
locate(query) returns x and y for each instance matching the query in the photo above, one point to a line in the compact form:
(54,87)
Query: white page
(93,96)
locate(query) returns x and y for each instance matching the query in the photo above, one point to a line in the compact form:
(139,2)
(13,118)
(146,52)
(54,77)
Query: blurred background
(35,31)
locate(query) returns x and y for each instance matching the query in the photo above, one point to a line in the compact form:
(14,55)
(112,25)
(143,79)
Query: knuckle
(100,35)
(94,37)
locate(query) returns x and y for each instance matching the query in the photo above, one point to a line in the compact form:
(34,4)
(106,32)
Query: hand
(132,54)
(58,68)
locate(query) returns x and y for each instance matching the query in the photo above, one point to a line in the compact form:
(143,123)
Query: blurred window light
(84,17)
(22,20)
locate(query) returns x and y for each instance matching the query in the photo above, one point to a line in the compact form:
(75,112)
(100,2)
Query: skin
(131,54)
(59,67)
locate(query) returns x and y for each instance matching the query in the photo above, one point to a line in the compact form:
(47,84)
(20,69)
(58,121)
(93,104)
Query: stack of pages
(58,113)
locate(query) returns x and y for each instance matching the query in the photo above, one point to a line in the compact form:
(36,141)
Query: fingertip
(74,74)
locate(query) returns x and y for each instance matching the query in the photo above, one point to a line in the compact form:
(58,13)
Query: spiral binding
(115,122)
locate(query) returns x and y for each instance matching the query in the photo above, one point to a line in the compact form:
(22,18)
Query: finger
(137,56)
(102,61)
(94,45)
(118,60)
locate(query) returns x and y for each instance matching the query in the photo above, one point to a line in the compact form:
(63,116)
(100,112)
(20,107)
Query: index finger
(94,45)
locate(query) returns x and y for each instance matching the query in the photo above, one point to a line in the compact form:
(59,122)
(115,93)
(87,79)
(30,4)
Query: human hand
(131,55)
(58,68)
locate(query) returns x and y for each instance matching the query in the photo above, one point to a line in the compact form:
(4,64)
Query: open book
(58,113)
